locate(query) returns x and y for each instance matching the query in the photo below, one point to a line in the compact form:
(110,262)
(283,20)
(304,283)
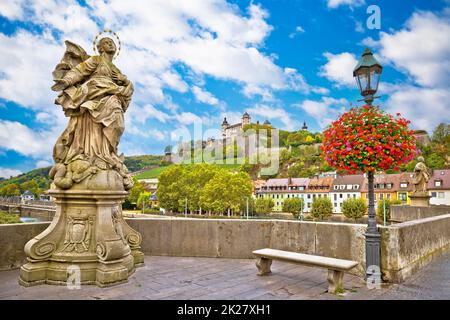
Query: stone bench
(336,267)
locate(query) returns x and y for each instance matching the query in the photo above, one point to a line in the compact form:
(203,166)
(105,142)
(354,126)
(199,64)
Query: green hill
(39,175)
(155,172)
(136,163)
(37,180)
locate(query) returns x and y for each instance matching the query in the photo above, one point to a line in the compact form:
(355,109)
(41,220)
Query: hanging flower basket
(368,139)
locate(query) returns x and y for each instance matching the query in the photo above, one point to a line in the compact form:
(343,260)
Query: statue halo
(108,31)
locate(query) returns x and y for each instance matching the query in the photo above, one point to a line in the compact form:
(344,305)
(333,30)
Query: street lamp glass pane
(374,79)
(364,83)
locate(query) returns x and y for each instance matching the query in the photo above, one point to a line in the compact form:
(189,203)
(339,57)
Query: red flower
(367,138)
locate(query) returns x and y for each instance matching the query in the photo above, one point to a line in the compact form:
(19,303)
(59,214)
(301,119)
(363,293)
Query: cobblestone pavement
(213,278)
(432,282)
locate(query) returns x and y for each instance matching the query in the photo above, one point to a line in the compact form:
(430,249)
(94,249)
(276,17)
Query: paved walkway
(212,278)
(432,282)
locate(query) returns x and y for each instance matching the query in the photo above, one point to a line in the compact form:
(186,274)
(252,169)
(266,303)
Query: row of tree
(437,153)
(14,189)
(322,208)
(203,188)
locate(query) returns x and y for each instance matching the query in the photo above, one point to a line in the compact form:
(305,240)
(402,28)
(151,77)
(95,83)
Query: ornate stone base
(420,199)
(88,242)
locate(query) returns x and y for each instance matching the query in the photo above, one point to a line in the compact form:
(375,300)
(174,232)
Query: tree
(435,161)
(294,206)
(296,169)
(264,206)
(354,208)
(10,190)
(386,203)
(31,186)
(203,187)
(226,191)
(6,218)
(169,189)
(440,133)
(194,179)
(309,140)
(251,206)
(135,191)
(321,208)
(143,199)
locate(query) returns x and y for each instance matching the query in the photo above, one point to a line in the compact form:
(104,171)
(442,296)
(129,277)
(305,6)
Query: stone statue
(90,180)
(421,177)
(94,95)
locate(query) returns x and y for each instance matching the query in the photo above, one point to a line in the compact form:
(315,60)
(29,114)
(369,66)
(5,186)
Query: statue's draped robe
(421,177)
(96,109)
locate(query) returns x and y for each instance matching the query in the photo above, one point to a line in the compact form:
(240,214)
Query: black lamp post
(367,73)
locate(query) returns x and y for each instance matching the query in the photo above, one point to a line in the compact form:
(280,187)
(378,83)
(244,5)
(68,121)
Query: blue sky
(195,62)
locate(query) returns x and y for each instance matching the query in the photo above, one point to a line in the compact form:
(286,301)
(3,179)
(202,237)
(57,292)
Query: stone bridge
(43,210)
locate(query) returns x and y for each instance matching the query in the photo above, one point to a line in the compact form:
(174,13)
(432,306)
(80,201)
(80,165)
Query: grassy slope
(155,172)
(133,163)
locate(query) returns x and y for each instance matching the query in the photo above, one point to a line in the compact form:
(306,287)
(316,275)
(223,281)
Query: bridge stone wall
(403,213)
(405,247)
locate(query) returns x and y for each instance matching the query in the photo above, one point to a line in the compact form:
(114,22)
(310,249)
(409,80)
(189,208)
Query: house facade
(27,196)
(338,188)
(317,187)
(439,187)
(405,187)
(385,187)
(346,187)
(281,189)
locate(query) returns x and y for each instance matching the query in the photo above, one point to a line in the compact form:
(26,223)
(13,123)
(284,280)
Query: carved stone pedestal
(420,199)
(87,238)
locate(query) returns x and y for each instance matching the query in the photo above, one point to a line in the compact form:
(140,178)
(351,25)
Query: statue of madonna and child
(90,179)
(94,95)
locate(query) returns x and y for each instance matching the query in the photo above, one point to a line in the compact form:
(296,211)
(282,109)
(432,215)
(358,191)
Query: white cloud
(8,173)
(17,137)
(339,68)
(43,164)
(359,27)
(274,113)
(210,37)
(351,3)
(138,114)
(147,133)
(297,82)
(425,107)
(232,117)
(325,110)
(11,9)
(204,96)
(173,80)
(187,118)
(205,38)
(421,49)
(26,65)
(251,91)
(298,30)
